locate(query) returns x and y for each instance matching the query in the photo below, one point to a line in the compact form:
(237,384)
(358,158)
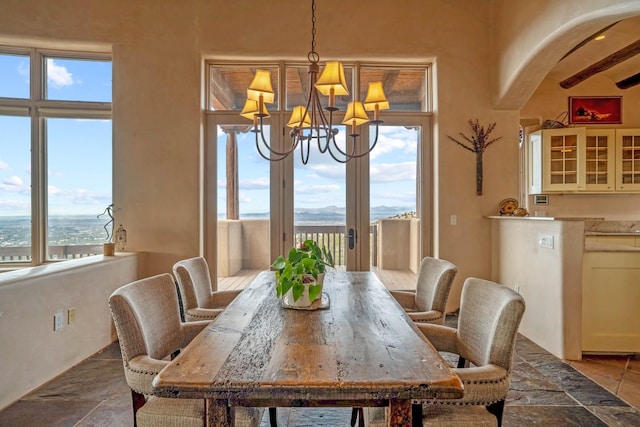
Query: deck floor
(392,279)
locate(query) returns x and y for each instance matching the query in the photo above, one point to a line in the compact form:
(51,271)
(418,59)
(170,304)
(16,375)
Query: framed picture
(595,109)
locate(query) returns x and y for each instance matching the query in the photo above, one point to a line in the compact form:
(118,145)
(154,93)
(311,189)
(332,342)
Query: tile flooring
(545,391)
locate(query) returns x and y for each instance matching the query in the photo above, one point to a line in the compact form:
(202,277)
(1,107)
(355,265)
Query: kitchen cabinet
(573,159)
(628,160)
(610,296)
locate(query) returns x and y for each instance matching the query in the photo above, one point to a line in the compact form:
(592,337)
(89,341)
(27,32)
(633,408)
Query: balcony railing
(334,239)
(61,252)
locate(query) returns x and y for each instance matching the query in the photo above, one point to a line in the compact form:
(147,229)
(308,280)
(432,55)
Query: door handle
(352,238)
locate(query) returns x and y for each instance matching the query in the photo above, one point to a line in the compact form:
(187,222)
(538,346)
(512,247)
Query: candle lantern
(121,239)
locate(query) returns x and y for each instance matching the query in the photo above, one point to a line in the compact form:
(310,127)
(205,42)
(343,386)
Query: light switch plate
(545,241)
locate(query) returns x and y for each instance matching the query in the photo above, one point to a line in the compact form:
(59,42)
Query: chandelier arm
(303,157)
(281,154)
(269,158)
(375,141)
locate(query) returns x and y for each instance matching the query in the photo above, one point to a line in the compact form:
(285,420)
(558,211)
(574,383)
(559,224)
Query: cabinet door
(599,160)
(628,160)
(563,159)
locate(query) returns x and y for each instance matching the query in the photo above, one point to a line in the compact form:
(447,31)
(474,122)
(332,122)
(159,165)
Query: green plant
(302,266)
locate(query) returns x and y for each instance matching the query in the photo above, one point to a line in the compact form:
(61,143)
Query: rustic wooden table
(360,351)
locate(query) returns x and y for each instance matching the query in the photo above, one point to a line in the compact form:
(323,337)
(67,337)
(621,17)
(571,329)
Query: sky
(321,182)
(79,150)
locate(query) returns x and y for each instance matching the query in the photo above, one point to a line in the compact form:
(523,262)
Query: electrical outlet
(453,220)
(545,241)
(516,288)
(58,321)
(71,315)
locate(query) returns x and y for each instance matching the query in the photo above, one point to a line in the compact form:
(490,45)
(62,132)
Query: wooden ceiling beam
(629,82)
(602,65)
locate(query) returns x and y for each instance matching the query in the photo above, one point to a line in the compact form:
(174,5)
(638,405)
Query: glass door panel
(243,207)
(319,200)
(395,223)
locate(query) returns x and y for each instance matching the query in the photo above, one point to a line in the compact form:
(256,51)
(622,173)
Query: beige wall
(31,352)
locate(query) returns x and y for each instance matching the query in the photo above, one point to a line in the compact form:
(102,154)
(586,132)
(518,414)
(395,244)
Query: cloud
(316,189)
(387,144)
(58,75)
(4,165)
(14,184)
(255,184)
(392,172)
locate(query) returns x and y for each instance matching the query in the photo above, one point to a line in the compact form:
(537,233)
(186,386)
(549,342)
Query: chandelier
(309,123)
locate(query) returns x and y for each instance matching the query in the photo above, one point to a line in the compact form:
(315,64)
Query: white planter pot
(303,301)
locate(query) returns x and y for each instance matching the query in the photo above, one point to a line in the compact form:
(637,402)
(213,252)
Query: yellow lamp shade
(296,120)
(261,85)
(355,114)
(250,109)
(332,77)
(376,96)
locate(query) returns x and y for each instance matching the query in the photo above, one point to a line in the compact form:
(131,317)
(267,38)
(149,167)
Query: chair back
(194,282)
(435,279)
(488,322)
(147,317)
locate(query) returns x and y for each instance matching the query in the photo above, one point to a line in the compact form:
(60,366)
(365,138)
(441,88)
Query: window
(55,154)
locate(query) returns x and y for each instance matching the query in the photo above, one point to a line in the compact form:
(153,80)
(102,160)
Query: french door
(373,210)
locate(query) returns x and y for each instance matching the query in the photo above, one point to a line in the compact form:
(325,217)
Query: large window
(55,154)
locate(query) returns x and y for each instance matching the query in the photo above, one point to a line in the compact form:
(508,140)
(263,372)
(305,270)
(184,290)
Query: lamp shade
(355,114)
(250,109)
(332,77)
(261,85)
(296,120)
(375,95)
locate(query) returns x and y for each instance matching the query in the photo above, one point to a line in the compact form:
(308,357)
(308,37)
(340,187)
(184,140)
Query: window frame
(38,108)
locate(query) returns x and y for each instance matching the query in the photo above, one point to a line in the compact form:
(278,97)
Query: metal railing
(333,238)
(56,252)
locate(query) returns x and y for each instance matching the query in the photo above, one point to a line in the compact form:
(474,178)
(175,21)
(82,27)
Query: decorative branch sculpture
(478,143)
(110,210)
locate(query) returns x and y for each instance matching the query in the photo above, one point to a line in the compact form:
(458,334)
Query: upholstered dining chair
(428,302)
(199,302)
(484,340)
(146,315)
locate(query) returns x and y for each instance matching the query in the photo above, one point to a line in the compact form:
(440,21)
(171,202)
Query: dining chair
(199,302)
(146,315)
(428,302)
(484,340)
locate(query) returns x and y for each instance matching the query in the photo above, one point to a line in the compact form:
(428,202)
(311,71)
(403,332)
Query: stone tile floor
(545,391)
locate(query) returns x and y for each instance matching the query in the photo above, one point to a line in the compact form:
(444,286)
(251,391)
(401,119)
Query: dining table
(354,347)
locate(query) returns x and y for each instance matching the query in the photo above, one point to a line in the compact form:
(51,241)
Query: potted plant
(302,271)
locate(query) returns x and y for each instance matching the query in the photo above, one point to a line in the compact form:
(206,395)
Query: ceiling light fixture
(309,123)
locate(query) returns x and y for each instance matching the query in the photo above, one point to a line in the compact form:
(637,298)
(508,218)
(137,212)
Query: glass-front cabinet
(628,159)
(599,160)
(577,159)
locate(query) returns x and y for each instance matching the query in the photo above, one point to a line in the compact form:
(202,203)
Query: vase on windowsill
(109,249)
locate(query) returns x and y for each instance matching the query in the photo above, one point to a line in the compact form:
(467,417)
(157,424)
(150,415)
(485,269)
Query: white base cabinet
(611,302)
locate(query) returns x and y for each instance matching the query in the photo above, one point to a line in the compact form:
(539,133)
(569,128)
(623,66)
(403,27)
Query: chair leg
(355,413)
(497,409)
(138,400)
(416,415)
(273,417)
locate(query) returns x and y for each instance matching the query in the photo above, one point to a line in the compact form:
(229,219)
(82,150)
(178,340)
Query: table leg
(218,413)
(400,413)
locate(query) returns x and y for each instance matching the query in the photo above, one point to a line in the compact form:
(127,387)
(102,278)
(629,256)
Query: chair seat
(160,411)
(457,416)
